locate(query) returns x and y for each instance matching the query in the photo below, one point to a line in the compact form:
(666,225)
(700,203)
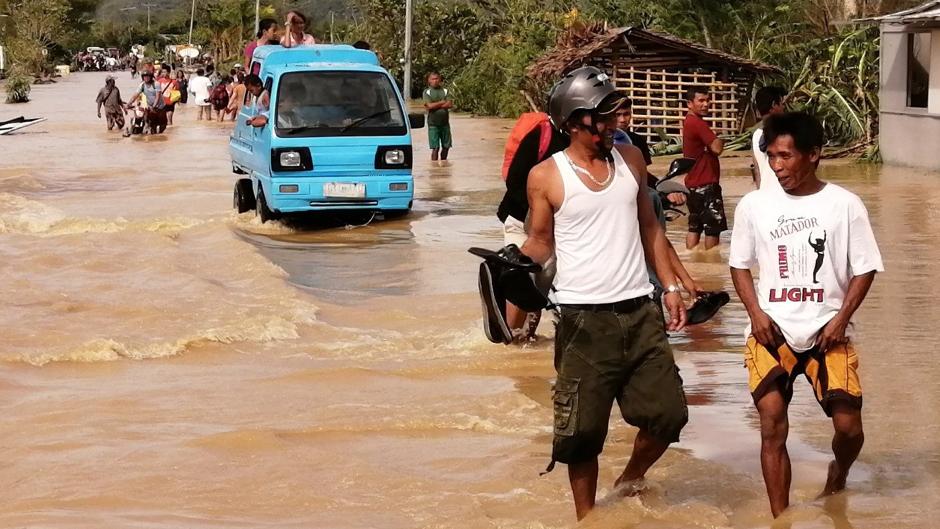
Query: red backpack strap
(545,138)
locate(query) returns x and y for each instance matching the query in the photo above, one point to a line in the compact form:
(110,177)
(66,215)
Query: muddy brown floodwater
(166,363)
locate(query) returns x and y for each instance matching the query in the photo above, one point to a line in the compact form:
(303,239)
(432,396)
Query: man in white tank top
(589,206)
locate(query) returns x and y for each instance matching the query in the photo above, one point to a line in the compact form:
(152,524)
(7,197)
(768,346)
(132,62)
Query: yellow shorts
(833,375)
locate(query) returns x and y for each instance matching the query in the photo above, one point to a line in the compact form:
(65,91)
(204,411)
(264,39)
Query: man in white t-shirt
(817,258)
(768,100)
(199,87)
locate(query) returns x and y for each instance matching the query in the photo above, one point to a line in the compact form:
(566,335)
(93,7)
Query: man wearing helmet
(589,207)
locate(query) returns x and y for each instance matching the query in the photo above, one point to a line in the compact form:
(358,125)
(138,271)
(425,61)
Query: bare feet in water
(835,482)
(629,487)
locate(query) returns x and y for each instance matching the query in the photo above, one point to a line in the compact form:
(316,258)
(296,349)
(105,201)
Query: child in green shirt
(438,104)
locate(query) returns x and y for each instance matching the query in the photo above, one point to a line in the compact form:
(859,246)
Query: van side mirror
(416,121)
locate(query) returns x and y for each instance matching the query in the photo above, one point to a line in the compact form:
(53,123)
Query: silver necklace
(578,169)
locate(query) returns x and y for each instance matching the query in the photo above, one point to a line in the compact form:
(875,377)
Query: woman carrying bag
(170,91)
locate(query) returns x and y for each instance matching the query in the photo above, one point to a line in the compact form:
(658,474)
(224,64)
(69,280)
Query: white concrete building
(910,86)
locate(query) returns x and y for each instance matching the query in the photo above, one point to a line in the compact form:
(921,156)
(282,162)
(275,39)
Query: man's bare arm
(717,146)
(684,276)
(834,331)
(764,330)
(540,245)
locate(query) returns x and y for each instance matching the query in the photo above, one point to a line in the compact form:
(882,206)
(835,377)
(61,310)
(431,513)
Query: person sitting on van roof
(262,100)
(294,35)
(267,30)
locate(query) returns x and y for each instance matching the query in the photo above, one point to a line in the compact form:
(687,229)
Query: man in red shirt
(706,207)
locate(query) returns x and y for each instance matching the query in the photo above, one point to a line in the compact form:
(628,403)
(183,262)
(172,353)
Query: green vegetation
(830,69)
(482,47)
(31,29)
(18,85)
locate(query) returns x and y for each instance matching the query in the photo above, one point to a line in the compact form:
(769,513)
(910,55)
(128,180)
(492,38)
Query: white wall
(893,92)
(908,136)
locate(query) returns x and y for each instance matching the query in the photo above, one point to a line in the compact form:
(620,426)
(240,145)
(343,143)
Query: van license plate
(344,190)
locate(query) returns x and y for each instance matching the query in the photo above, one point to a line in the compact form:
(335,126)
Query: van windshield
(339,103)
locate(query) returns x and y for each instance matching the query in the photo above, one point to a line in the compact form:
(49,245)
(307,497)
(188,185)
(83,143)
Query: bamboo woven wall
(658,97)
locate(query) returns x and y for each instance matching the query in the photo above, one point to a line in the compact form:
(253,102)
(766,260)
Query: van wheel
(264,212)
(243,198)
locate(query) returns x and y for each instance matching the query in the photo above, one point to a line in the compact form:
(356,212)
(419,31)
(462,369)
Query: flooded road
(167,363)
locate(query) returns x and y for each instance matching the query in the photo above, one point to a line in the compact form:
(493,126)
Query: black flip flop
(494,306)
(706,305)
(509,256)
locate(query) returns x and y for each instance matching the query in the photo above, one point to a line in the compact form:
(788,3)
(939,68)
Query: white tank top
(598,249)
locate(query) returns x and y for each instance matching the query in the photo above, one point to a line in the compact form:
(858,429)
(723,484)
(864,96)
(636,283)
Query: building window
(918,69)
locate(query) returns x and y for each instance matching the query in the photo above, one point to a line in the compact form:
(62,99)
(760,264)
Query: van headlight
(291,159)
(395,157)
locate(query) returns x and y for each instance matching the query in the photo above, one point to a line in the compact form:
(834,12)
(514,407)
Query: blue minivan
(338,135)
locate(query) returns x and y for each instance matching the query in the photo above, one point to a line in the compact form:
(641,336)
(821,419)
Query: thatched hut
(655,69)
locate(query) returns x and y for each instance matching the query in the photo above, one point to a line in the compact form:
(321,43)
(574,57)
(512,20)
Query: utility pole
(257,16)
(192,16)
(148,6)
(408,18)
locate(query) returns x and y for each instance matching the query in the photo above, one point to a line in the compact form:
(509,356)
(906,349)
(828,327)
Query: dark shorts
(439,137)
(707,210)
(605,356)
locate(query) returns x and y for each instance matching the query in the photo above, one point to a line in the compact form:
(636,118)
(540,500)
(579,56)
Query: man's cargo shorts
(602,356)
(833,374)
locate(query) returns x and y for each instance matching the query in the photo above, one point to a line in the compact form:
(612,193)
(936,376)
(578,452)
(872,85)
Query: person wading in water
(110,97)
(589,206)
(798,326)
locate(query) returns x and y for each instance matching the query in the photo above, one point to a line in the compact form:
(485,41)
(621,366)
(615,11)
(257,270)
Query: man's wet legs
(583,476)
(846,444)
(444,152)
(646,451)
(583,479)
(774,459)
(692,240)
(435,154)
